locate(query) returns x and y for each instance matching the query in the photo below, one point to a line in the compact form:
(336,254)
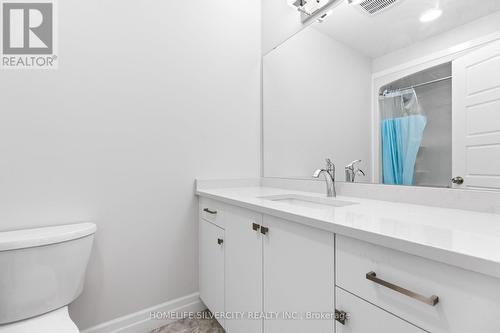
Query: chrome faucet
(329,173)
(351,172)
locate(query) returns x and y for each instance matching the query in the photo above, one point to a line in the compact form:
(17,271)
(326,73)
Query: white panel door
(476,118)
(363,317)
(212,267)
(243,270)
(299,265)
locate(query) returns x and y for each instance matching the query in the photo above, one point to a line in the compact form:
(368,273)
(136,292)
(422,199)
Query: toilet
(41,272)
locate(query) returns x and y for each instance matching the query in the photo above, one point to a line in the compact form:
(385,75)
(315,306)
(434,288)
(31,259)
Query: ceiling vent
(376,6)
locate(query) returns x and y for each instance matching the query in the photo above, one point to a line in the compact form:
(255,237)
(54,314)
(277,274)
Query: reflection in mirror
(415,114)
(409,87)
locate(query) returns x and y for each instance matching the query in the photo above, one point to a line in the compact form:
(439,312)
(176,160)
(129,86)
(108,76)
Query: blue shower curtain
(401,140)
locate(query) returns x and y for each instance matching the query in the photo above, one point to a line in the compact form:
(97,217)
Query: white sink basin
(308,202)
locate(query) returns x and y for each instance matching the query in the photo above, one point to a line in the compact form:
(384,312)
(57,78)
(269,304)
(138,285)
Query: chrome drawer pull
(213,212)
(433,300)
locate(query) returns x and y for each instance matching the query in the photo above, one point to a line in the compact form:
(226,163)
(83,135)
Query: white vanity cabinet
(268,266)
(274,266)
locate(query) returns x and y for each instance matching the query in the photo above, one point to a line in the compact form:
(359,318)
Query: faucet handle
(330,167)
(351,165)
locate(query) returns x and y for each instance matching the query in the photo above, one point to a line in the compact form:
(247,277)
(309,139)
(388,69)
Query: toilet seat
(57,321)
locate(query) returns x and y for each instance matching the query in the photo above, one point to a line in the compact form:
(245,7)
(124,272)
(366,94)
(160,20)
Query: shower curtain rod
(416,85)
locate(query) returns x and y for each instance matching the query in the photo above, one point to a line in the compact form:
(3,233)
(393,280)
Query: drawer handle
(209,211)
(433,300)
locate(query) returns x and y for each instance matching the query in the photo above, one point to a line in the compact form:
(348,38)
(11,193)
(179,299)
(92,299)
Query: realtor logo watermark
(28,34)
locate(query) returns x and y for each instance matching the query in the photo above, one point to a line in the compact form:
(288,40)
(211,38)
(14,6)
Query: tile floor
(191,326)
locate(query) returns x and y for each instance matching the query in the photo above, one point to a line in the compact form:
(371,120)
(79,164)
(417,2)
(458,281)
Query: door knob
(457,180)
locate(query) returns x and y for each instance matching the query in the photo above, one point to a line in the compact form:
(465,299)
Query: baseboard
(142,321)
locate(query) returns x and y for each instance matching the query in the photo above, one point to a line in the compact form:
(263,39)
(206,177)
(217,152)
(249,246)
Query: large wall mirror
(409,88)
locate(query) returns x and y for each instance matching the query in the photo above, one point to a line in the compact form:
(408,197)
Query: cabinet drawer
(468,301)
(363,317)
(212,211)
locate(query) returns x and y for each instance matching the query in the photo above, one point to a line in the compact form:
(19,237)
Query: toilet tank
(42,269)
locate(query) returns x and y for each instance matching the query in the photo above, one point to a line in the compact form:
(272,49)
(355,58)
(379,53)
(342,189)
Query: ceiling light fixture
(355,2)
(431,15)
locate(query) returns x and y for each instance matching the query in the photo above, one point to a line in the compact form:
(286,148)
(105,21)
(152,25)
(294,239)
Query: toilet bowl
(41,272)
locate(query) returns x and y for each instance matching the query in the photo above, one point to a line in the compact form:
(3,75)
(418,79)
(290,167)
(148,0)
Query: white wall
(148,96)
(316,105)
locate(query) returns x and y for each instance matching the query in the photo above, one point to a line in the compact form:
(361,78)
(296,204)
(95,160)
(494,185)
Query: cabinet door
(212,266)
(363,317)
(243,270)
(298,277)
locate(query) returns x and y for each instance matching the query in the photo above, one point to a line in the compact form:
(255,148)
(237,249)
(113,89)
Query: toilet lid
(21,239)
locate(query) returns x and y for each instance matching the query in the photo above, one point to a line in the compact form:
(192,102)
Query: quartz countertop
(470,240)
